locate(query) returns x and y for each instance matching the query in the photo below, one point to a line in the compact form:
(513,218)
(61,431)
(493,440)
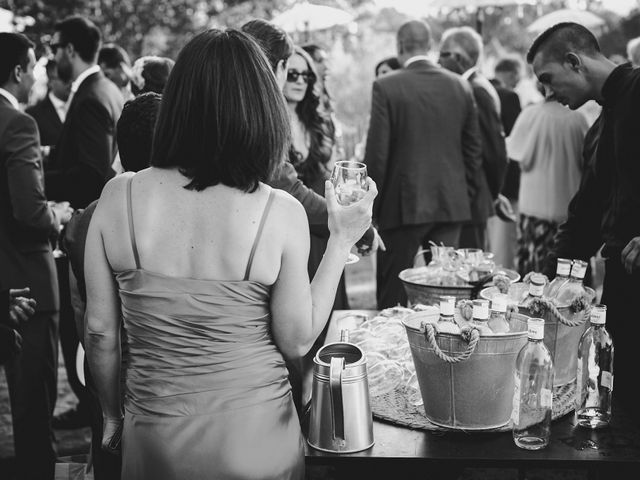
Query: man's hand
(21,307)
(503,209)
(62,210)
(370,242)
(631,256)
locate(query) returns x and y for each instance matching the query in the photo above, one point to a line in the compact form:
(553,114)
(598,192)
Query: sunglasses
(55,46)
(293,75)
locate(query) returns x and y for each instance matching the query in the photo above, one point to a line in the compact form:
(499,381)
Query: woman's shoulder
(286,205)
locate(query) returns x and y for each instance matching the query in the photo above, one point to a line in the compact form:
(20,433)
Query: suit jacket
(87,145)
(49,123)
(494,151)
(26,221)
(423,146)
(511,108)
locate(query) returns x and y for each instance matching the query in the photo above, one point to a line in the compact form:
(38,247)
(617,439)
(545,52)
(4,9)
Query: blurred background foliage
(162,27)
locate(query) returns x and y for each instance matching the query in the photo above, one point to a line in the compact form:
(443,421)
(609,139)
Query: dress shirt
(78,81)
(59,105)
(416,58)
(9,96)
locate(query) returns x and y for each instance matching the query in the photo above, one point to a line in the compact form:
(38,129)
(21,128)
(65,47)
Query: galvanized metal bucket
(466,384)
(561,336)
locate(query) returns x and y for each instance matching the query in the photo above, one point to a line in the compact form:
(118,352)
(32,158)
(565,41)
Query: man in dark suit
(87,144)
(83,157)
(460,51)
(50,112)
(423,151)
(27,223)
(503,235)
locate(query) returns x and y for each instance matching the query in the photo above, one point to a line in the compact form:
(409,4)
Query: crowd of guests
(202,248)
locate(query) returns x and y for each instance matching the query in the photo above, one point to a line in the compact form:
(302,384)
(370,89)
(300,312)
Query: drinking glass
(349,180)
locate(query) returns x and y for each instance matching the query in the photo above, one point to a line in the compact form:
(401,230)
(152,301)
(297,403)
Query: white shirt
(81,78)
(59,105)
(9,96)
(416,58)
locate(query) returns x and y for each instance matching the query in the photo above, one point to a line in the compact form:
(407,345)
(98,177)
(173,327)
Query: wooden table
(615,449)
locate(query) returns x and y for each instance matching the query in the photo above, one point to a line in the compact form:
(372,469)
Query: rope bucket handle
(542,305)
(471,335)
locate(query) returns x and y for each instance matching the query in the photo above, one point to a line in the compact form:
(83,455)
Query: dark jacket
(606,207)
(510,109)
(423,146)
(494,153)
(49,123)
(26,221)
(87,145)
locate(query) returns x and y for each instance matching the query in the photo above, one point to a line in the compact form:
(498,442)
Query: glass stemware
(349,179)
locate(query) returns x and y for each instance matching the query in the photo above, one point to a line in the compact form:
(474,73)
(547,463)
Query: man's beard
(64,71)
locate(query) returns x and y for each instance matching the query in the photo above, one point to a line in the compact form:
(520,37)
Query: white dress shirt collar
(81,78)
(416,58)
(469,72)
(59,105)
(9,96)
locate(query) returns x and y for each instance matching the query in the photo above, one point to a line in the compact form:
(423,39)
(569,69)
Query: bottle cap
(579,269)
(481,309)
(535,328)
(563,267)
(447,305)
(536,287)
(599,315)
(499,303)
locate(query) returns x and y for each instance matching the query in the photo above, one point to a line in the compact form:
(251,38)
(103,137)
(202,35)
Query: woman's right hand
(348,224)
(112,435)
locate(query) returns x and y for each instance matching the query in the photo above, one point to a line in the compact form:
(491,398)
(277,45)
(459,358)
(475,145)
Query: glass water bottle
(563,269)
(533,393)
(536,289)
(480,317)
(446,322)
(498,317)
(595,373)
(574,287)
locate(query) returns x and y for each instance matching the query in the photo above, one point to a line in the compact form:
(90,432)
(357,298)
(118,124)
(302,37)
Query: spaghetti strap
(265,213)
(132,232)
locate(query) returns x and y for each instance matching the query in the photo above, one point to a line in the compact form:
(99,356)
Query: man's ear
(71,51)
(574,60)
(17,73)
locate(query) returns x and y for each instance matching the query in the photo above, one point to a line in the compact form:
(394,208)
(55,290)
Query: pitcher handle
(335,390)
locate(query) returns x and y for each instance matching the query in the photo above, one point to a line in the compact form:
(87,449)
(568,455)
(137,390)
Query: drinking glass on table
(349,180)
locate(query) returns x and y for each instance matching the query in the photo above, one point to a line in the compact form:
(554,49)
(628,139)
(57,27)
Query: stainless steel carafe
(340,420)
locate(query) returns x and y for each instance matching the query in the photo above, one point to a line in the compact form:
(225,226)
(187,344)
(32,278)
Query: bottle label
(546,398)
(598,316)
(578,270)
(515,412)
(563,268)
(480,310)
(606,380)
(535,331)
(535,289)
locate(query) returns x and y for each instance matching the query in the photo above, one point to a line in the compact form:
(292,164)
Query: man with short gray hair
(460,52)
(423,151)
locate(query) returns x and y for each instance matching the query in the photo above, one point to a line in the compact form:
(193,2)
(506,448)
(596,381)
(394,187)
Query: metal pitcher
(341,420)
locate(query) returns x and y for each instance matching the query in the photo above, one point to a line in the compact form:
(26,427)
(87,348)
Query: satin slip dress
(207,394)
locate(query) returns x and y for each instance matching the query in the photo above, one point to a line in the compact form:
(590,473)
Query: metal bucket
(466,385)
(420,293)
(560,338)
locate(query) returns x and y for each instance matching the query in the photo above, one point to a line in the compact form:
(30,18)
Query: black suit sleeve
(494,151)
(378,140)
(471,144)
(286,178)
(24,172)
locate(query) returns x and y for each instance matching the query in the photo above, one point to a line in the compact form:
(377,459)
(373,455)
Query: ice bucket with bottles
(563,327)
(466,380)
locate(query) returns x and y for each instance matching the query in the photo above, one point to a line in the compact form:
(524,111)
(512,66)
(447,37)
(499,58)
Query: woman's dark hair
(83,34)
(135,130)
(393,63)
(223,118)
(319,125)
(275,42)
(112,56)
